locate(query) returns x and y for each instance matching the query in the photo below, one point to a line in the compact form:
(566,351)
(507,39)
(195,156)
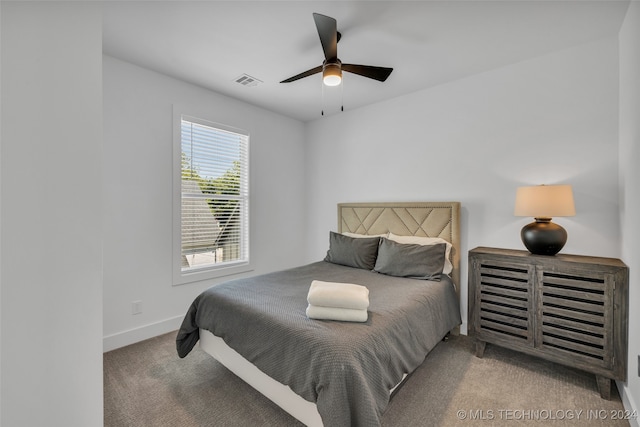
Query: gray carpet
(146,384)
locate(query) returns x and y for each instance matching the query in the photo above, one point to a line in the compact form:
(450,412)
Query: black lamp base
(543,237)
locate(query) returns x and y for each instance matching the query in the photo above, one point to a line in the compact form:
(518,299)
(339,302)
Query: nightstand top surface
(518,253)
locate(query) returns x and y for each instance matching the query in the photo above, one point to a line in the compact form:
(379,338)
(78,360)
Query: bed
(326,372)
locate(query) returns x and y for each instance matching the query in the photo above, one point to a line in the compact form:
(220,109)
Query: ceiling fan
(332,67)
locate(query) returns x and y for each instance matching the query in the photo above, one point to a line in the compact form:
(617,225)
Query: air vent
(247,80)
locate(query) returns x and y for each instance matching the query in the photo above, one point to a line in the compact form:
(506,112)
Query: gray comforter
(346,368)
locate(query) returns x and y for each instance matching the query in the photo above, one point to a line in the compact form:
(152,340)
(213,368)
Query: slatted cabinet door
(504,301)
(575,317)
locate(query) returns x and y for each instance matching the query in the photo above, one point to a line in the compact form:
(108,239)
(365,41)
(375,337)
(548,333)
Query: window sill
(183,278)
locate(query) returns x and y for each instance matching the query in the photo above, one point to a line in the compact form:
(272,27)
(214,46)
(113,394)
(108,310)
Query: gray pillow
(408,260)
(352,252)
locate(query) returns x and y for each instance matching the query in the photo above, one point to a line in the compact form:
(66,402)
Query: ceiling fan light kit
(332,73)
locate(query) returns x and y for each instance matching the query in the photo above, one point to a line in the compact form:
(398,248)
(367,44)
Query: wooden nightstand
(569,309)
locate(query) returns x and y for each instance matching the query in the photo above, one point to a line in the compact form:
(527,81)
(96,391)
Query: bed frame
(427,219)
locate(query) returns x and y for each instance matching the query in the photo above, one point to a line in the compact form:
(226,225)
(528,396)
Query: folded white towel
(333,313)
(338,295)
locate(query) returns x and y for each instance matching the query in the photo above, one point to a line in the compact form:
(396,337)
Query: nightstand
(568,309)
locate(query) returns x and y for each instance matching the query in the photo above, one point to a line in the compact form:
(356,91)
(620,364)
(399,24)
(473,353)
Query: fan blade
(376,73)
(302,75)
(328,32)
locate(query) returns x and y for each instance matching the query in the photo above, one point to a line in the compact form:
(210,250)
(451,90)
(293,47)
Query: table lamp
(543,202)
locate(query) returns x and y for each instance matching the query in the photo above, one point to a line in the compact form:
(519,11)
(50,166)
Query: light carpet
(146,384)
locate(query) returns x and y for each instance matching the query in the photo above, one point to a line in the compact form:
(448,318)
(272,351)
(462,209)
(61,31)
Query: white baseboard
(629,404)
(132,336)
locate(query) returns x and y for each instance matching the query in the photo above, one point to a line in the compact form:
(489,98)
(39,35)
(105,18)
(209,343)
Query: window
(214,199)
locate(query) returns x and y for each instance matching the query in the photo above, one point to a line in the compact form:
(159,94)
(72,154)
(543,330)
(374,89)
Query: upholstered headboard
(428,219)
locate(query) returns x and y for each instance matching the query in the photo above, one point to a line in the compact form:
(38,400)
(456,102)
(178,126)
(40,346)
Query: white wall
(0,216)
(551,119)
(1,400)
(51,267)
(138,187)
(630,188)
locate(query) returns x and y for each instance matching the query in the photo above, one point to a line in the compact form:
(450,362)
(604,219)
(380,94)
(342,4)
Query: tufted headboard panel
(428,219)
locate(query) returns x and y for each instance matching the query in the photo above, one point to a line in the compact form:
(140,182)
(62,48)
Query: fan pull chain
(342,95)
(322,84)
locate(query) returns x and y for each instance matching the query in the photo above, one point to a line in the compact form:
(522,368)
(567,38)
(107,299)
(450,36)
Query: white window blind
(214,195)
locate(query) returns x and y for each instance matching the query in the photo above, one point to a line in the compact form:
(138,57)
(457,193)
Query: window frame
(181,277)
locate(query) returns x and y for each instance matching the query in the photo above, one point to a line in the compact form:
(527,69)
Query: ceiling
(211,43)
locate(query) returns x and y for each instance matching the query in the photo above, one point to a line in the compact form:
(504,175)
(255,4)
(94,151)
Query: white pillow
(359,236)
(425,241)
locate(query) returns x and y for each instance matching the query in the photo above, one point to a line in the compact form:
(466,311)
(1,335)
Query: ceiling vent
(247,80)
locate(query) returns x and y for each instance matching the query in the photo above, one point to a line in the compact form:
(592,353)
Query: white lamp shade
(545,201)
